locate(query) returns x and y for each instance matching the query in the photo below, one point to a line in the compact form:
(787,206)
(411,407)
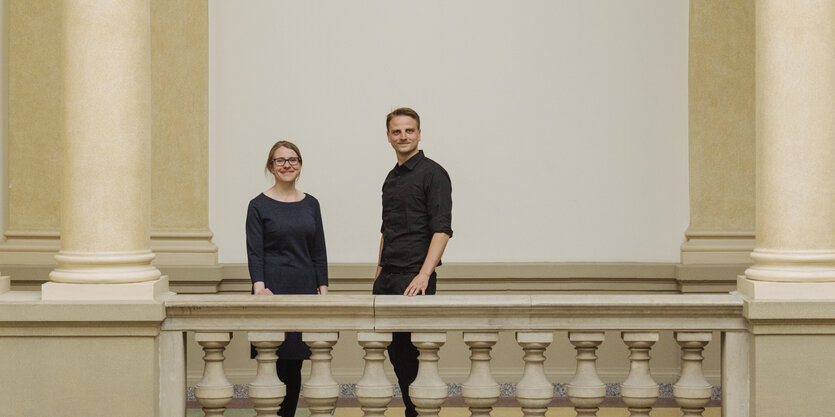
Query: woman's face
(286,172)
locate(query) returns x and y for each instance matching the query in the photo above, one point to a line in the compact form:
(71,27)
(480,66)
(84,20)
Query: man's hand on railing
(418,285)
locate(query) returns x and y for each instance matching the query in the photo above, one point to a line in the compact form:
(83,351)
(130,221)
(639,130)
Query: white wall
(563,124)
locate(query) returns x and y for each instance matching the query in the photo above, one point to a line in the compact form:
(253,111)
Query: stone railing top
(454,312)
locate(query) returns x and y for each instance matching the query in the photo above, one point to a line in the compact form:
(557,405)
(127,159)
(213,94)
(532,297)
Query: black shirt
(417,203)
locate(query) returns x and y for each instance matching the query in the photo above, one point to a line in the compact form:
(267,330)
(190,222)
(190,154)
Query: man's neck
(401,158)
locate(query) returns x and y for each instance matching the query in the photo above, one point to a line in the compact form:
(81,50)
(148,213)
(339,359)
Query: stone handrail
(713,312)
(534,318)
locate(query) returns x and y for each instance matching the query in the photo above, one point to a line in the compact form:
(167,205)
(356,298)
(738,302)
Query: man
(417,224)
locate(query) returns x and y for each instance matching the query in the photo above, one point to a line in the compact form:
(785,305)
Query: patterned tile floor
(463,412)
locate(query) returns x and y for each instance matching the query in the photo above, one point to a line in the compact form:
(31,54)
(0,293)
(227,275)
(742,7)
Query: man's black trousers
(402,353)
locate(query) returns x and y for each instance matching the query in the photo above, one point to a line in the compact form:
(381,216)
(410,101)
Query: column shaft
(795,71)
(106,154)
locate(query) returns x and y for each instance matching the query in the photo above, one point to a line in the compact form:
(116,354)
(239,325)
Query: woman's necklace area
(285,197)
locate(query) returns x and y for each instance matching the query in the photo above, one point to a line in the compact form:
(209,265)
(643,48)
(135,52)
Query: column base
(770,290)
(150,290)
(5,284)
(717,247)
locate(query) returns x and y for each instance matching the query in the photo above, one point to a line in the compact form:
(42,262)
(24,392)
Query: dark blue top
(417,203)
(285,246)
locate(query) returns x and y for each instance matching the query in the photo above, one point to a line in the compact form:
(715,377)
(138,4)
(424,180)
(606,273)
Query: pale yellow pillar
(106,162)
(795,152)
(180,234)
(789,292)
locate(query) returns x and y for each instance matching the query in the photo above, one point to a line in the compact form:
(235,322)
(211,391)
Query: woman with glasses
(285,247)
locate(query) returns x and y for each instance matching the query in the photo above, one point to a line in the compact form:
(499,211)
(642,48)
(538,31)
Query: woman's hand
(260,289)
(323,289)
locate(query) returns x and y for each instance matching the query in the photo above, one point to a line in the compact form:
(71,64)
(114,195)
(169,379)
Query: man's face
(404,135)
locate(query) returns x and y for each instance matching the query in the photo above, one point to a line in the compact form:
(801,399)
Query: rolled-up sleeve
(439,203)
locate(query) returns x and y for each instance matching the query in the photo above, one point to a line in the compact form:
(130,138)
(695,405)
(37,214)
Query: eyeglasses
(280,161)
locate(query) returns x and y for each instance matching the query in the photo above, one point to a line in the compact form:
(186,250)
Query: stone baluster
(266,391)
(5,284)
(214,391)
(374,390)
(480,390)
(692,391)
(534,392)
(321,390)
(639,390)
(428,391)
(586,391)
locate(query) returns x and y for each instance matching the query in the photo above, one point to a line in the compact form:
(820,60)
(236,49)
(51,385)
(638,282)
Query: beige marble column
(789,292)
(180,235)
(795,152)
(105,199)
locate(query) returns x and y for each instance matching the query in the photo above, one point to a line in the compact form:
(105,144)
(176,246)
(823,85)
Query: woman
(285,247)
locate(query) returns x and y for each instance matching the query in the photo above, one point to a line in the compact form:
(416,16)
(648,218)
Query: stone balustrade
(534,318)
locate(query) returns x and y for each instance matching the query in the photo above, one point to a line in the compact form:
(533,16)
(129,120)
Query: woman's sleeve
(255,244)
(317,249)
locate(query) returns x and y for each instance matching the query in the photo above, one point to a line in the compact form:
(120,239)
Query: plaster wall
(722,127)
(179,60)
(4,119)
(55,375)
(35,118)
(782,365)
(562,124)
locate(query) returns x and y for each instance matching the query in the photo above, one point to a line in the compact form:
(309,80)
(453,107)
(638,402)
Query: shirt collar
(414,160)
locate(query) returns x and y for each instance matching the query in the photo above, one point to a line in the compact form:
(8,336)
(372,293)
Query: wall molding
(470,278)
(38,247)
(718,247)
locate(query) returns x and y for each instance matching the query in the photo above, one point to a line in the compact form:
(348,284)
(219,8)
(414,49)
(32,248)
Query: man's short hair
(402,111)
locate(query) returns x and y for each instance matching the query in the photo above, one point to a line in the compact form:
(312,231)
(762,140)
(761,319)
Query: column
(180,234)
(105,181)
(789,291)
(795,152)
